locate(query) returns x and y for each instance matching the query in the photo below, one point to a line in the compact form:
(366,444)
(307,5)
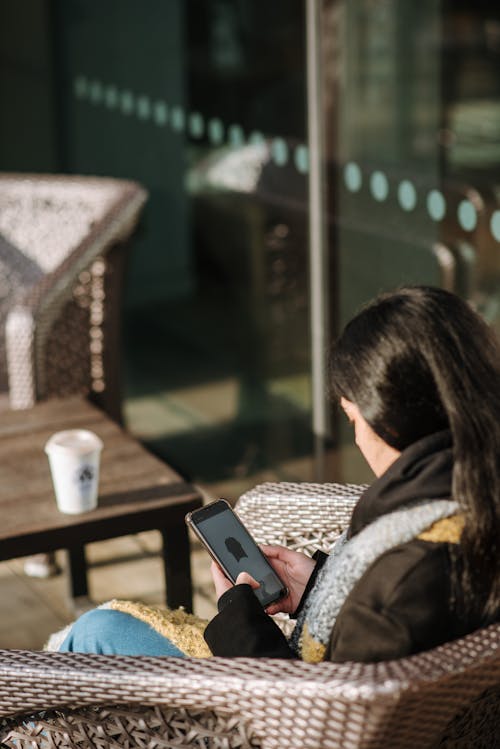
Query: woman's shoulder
(417,569)
(401,605)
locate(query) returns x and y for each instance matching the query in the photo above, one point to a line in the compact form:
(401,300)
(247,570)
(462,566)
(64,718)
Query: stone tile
(138,579)
(31,614)
(150,541)
(30,631)
(211,403)
(295,388)
(114,550)
(154,416)
(52,591)
(129,567)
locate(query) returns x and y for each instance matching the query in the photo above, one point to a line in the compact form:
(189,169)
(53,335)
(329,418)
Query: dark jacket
(401,605)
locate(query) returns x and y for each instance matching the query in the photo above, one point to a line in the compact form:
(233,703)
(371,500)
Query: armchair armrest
(335,705)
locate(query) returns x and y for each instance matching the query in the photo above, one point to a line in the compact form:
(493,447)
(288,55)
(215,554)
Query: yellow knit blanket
(184,630)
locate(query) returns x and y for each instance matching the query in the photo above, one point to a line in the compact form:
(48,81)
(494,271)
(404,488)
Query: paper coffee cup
(74,457)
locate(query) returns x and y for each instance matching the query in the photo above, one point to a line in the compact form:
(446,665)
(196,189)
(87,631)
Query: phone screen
(235,550)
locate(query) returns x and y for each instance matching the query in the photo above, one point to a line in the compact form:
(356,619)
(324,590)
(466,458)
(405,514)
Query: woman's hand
(294,569)
(222,584)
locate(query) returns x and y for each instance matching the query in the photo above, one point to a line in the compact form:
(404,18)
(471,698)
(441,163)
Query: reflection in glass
(411,98)
(213,121)
(407,195)
(467,215)
(379,186)
(436,205)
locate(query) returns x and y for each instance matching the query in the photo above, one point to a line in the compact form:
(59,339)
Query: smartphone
(228,542)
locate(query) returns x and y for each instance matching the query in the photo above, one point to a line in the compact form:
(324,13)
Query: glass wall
(207,103)
(412,153)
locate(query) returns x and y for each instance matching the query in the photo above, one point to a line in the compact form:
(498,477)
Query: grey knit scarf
(349,560)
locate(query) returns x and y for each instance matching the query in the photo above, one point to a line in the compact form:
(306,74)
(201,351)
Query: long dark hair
(419,360)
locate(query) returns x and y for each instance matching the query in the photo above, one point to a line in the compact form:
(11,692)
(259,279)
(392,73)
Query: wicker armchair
(61,263)
(62,259)
(447,697)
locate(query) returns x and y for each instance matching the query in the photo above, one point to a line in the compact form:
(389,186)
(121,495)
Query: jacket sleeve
(242,628)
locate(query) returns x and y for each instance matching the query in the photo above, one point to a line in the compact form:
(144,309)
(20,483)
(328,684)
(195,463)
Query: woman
(418,375)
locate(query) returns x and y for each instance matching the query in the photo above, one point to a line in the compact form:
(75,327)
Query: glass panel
(205,104)
(469,138)
(412,113)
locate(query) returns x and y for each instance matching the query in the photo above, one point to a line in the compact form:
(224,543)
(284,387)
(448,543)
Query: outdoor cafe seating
(446,697)
(59,313)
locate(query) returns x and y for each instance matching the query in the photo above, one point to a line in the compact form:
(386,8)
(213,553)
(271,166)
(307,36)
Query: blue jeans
(112,632)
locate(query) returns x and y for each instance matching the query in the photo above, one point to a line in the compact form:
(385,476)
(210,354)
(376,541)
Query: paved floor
(128,567)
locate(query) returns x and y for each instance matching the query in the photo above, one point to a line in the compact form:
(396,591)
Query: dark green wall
(28,137)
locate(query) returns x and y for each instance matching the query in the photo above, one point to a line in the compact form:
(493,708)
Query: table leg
(177,565)
(77,564)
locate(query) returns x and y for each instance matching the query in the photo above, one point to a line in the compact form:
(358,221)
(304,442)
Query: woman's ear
(377,453)
(349,408)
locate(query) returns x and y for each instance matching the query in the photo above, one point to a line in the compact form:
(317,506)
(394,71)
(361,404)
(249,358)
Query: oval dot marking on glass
(301,159)
(215,131)
(196,125)
(353,178)
(80,87)
(379,186)
(95,92)
(279,151)
(467,216)
(236,136)
(127,102)
(495,225)
(177,119)
(436,205)
(160,113)
(143,108)
(407,195)
(256,138)
(111,97)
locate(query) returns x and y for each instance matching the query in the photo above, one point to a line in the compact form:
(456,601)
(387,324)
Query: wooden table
(137,492)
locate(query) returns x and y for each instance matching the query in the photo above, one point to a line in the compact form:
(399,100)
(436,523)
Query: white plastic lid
(80,441)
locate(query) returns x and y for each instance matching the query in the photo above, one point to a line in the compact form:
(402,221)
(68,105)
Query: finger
(272,609)
(217,572)
(246,579)
(271,548)
(273,552)
(276,608)
(221,583)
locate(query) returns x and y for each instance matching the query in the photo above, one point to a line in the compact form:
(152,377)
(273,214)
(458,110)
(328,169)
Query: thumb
(245,578)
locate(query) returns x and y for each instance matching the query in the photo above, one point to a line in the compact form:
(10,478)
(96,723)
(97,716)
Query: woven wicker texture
(304,517)
(56,280)
(421,701)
